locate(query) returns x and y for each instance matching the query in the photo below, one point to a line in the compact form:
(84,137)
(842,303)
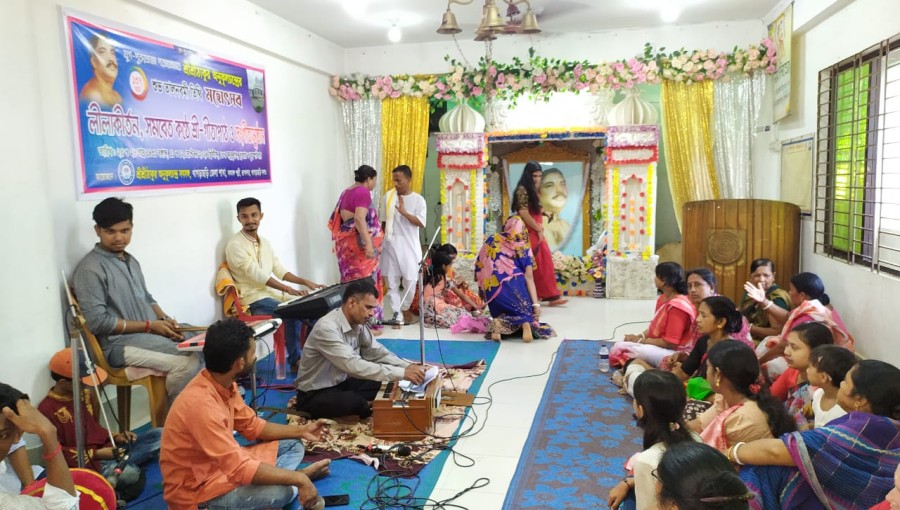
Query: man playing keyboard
(342,365)
(259,275)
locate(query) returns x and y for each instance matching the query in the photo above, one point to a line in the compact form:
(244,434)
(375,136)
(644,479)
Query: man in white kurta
(404,215)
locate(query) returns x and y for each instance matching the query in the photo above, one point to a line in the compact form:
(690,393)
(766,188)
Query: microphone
(113,479)
(393,322)
(401,450)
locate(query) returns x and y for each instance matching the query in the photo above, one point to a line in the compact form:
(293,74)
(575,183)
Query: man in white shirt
(404,215)
(259,275)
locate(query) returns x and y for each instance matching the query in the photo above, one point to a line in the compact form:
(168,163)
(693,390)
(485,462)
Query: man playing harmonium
(342,365)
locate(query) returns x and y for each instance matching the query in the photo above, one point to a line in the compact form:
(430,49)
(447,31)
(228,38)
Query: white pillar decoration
(461,161)
(632,155)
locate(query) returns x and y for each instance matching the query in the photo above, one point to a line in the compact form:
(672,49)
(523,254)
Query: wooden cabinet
(727,235)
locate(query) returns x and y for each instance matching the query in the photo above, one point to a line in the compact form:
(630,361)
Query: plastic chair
(231,307)
(125,378)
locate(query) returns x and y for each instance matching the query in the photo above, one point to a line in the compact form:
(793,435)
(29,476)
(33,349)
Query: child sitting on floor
(100,454)
(828,365)
(792,387)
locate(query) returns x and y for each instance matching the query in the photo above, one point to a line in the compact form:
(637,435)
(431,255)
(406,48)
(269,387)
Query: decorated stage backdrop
(153,115)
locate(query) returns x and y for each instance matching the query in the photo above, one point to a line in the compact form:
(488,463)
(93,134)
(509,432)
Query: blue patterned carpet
(348,476)
(583,432)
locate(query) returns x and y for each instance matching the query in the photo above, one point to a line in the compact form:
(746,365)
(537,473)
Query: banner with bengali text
(781,32)
(152,115)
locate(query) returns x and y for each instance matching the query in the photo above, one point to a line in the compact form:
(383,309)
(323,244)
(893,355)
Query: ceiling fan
(544,10)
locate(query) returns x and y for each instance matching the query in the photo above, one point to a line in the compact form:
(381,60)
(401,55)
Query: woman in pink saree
(356,232)
(811,304)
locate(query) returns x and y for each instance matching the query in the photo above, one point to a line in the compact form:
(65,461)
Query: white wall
(179,239)
(867,301)
(597,46)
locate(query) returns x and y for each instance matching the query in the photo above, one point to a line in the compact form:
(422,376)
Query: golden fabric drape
(687,134)
(404,138)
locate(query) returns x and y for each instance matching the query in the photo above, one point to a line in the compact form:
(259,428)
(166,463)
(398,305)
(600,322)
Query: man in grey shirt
(342,366)
(131,327)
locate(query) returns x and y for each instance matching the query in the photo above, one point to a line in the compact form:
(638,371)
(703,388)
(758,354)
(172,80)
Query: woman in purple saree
(504,271)
(848,464)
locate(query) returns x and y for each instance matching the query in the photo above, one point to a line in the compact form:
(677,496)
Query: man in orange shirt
(200,460)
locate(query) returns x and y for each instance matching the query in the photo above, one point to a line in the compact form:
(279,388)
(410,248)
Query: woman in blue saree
(504,271)
(848,464)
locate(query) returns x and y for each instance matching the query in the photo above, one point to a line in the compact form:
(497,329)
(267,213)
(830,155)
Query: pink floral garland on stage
(539,77)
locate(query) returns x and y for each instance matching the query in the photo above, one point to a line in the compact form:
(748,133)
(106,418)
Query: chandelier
(491,22)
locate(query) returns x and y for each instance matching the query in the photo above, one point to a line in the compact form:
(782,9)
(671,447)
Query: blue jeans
(258,497)
(266,306)
(144,449)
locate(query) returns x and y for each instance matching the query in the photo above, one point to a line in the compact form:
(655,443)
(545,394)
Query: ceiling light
(394,34)
(669,13)
(491,22)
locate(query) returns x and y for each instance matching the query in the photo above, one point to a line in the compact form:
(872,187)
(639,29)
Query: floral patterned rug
(350,440)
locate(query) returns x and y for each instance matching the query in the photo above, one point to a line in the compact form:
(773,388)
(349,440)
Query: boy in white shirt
(828,365)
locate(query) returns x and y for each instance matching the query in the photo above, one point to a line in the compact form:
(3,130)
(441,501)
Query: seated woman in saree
(717,320)
(441,310)
(847,464)
(504,272)
(695,476)
(743,409)
(670,328)
(764,303)
(357,234)
(701,284)
(463,294)
(792,387)
(811,304)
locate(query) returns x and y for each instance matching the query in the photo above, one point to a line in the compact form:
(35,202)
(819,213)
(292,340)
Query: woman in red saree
(527,204)
(671,329)
(356,232)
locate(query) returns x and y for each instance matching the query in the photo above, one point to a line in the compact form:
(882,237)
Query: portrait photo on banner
(561,193)
(153,115)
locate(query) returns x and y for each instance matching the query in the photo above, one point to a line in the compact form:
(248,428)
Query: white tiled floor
(497,446)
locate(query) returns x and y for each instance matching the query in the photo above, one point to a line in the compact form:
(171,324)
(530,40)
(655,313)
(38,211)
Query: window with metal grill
(857,185)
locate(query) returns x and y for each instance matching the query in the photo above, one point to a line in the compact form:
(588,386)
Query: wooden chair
(231,307)
(125,378)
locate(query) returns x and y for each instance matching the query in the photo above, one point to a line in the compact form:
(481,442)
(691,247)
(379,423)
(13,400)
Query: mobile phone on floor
(337,500)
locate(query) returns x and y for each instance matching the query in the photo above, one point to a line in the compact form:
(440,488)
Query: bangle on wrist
(734,454)
(124,327)
(768,305)
(54,453)
(535,305)
(147,326)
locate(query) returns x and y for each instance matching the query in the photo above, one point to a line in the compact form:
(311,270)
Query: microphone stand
(422,295)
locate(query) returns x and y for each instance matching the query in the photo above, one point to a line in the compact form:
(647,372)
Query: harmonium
(398,415)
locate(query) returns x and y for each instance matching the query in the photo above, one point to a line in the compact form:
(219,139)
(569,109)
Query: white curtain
(736,111)
(362,130)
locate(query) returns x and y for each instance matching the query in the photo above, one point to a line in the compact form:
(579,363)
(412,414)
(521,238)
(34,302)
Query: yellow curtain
(687,134)
(404,138)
